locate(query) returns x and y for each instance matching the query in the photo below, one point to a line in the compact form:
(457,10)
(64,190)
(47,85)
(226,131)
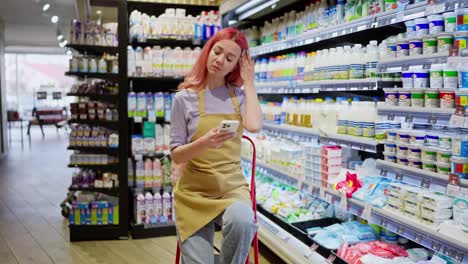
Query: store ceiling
(26,25)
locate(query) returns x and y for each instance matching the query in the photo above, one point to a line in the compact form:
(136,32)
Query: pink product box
(331,152)
(331,161)
(331,168)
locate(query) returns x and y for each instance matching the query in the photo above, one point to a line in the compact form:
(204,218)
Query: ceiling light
(60,37)
(54,19)
(247,6)
(46,7)
(257,9)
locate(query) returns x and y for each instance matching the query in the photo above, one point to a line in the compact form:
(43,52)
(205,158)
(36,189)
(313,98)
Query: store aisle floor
(33,183)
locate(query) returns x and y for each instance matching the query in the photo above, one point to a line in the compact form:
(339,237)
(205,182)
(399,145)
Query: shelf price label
(331,258)
(418,238)
(383,173)
(409,118)
(399,176)
(425,183)
(435,246)
(314,246)
(138,119)
(401,230)
(432,120)
(391,116)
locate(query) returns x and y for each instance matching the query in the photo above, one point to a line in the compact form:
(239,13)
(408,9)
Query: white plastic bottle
(373,58)
(140,209)
(157,173)
(140,174)
(150,213)
(167,206)
(158,206)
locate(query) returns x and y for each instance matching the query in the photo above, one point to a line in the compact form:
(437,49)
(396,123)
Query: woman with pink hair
(208,182)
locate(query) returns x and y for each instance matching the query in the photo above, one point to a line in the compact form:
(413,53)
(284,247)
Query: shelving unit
(120,230)
(418,115)
(411,62)
(169,42)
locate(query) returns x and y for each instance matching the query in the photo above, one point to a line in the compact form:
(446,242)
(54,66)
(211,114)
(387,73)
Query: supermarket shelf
(96,232)
(96,150)
(421,234)
(158,155)
(417,176)
(279,175)
(411,62)
(158,7)
(379,20)
(284,244)
(419,115)
(170,42)
(93,49)
(104,76)
(156,79)
(108,191)
(103,123)
(139,119)
(97,97)
(147,231)
(358,143)
(299,87)
(105,167)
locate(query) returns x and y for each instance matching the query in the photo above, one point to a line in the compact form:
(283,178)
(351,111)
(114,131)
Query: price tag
(343,201)
(362,27)
(341,89)
(138,119)
(401,230)
(383,173)
(331,258)
(426,66)
(383,223)
(343,32)
(405,67)
(367,211)
(399,176)
(432,120)
(409,118)
(353,89)
(417,238)
(152,119)
(335,34)
(425,183)
(391,116)
(435,246)
(314,246)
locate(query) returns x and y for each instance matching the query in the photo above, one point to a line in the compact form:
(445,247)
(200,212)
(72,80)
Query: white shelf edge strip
(292,251)
(381,107)
(415,59)
(415,172)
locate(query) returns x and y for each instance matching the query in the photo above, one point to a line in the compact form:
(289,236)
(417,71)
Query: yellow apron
(213,180)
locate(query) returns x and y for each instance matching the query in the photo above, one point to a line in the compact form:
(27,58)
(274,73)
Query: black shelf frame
(93,49)
(192,43)
(159,8)
(95,150)
(95,75)
(120,231)
(108,191)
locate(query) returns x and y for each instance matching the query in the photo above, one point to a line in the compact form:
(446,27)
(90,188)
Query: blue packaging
(463,79)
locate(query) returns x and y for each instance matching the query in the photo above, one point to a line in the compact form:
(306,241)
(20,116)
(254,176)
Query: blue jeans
(239,229)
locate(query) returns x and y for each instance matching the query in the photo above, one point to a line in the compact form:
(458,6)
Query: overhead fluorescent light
(232,22)
(54,19)
(46,7)
(257,9)
(247,6)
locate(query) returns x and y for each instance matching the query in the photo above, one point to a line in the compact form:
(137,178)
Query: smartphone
(229,126)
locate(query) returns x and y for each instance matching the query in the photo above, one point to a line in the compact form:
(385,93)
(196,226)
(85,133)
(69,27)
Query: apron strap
(201,101)
(234,99)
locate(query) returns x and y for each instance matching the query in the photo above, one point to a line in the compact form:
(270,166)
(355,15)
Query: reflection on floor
(33,183)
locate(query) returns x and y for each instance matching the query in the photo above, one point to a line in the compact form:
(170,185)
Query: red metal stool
(254,207)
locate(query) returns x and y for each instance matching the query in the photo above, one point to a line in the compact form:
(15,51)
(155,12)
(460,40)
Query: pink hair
(196,78)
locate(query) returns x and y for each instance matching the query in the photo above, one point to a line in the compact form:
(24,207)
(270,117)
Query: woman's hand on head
(247,67)
(216,138)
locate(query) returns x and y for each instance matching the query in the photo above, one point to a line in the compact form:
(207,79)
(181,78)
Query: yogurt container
(402,48)
(447,98)
(445,140)
(429,45)
(391,135)
(390,148)
(422,27)
(462,19)
(415,46)
(418,138)
(403,136)
(402,160)
(391,49)
(391,96)
(460,145)
(443,156)
(436,80)
(428,153)
(436,24)
(414,152)
(402,150)
(417,97)
(404,97)
(443,168)
(463,77)
(415,163)
(450,78)
(407,79)
(432,98)
(432,138)
(460,166)
(429,165)
(450,21)
(390,157)
(421,78)
(411,28)
(444,42)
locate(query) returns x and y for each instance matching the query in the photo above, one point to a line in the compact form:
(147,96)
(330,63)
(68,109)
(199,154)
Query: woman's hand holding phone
(216,138)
